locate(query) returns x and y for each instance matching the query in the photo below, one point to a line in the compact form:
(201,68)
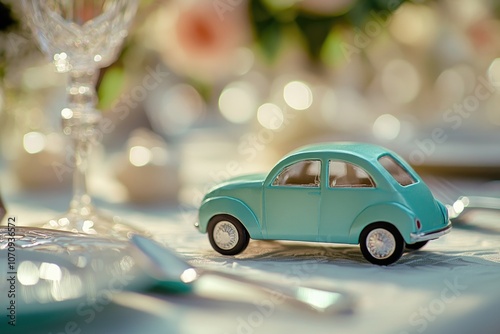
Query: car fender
(394,213)
(229,206)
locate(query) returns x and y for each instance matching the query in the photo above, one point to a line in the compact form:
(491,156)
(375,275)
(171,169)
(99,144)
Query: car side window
(304,173)
(346,175)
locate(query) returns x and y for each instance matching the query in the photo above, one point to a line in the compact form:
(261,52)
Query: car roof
(366,151)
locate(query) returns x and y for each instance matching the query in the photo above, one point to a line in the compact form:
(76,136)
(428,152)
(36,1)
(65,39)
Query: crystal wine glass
(81,36)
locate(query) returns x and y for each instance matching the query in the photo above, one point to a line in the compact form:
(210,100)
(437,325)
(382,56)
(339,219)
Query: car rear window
(398,172)
(343,174)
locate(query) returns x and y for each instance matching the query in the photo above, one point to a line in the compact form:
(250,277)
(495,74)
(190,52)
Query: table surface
(450,286)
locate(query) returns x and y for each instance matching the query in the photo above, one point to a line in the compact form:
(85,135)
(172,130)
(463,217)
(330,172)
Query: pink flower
(201,38)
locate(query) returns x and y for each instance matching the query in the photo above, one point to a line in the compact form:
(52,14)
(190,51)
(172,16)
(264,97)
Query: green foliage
(110,87)
(267,28)
(271,23)
(315,29)
(7,21)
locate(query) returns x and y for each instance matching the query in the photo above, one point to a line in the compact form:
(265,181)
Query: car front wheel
(381,244)
(227,235)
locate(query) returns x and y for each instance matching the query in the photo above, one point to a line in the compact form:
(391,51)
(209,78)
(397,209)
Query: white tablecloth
(451,286)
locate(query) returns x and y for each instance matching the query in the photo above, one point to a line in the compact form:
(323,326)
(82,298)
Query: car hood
(239,182)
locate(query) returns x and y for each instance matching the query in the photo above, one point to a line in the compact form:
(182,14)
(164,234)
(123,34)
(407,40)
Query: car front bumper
(424,236)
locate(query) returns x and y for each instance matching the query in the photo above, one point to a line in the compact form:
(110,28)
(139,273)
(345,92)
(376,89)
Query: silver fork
(165,265)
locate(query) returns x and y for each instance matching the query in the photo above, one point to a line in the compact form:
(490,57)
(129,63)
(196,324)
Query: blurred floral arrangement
(218,48)
(210,42)
(306,69)
(196,36)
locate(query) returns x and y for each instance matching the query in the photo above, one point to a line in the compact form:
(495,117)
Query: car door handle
(317,192)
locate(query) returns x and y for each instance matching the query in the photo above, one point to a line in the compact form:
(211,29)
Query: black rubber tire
(398,251)
(417,245)
(243,236)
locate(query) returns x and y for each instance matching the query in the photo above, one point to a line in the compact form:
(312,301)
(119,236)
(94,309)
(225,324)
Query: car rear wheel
(227,235)
(416,245)
(381,244)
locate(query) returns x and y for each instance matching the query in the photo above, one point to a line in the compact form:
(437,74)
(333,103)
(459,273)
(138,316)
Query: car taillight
(418,224)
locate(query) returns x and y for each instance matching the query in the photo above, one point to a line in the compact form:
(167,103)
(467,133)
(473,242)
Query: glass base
(94,223)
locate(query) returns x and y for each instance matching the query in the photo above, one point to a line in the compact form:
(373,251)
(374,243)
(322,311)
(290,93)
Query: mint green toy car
(349,193)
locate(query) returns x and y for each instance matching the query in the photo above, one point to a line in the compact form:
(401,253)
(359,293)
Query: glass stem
(81,203)
(79,122)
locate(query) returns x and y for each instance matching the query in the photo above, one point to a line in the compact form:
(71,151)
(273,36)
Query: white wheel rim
(380,243)
(225,235)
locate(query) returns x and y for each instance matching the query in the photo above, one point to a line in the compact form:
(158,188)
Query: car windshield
(397,171)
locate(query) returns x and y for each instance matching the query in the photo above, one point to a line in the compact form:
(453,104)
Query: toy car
(350,193)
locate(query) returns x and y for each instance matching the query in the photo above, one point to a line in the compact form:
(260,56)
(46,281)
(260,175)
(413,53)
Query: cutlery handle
(221,285)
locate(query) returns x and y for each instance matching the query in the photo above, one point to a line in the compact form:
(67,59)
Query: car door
(348,190)
(292,202)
